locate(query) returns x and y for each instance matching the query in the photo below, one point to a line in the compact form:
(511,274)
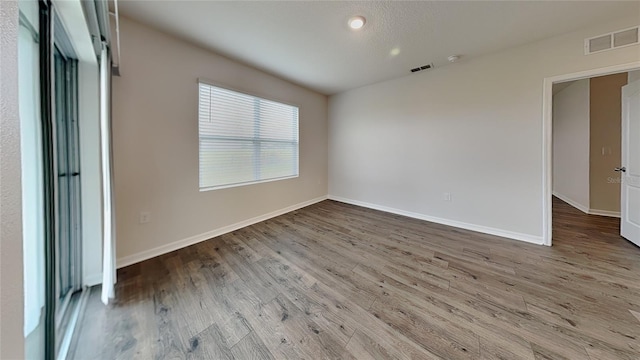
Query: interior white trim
(586,209)
(608,213)
(160,250)
(575,204)
(75,24)
(547,137)
(473,227)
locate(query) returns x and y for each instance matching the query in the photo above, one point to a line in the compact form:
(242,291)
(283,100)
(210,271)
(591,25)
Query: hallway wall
(605,142)
(571,144)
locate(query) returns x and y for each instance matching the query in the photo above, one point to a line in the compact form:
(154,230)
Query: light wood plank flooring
(335,281)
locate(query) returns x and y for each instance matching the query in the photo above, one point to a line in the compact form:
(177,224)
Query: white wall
(633,76)
(571,144)
(155,142)
(11,293)
(473,129)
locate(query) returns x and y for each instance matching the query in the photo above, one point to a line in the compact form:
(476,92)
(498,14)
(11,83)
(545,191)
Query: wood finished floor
(335,281)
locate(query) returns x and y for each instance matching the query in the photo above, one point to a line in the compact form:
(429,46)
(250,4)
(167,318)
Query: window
(244,139)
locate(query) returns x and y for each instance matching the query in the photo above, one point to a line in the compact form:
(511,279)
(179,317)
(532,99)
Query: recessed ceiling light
(394,52)
(357,22)
(453,58)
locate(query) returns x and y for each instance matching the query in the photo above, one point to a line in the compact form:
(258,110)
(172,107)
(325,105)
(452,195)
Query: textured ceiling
(310,44)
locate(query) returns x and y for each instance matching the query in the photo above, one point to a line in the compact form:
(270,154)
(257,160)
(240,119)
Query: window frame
(257,95)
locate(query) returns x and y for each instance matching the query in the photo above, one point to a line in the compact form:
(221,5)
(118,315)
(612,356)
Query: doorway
(548,154)
(587,143)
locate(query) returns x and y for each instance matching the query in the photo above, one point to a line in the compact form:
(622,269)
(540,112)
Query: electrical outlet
(145,217)
(446,196)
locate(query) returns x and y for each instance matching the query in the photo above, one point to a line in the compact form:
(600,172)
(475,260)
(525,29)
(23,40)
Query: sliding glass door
(50,152)
(68,239)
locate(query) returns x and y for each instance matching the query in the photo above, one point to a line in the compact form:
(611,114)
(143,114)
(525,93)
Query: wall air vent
(423,67)
(610,41)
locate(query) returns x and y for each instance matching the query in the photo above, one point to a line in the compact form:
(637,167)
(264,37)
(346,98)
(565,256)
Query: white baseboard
(615,214)
(575,204)
(473,227)
(586,209)
(92,279)
(160,250)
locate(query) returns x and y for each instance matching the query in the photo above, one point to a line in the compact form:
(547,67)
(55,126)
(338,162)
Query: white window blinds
(244,139)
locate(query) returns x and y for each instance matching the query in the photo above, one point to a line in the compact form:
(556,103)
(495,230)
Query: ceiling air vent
(612,40)
(423,67)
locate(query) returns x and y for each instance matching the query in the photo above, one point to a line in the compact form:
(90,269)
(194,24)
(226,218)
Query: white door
(630,169)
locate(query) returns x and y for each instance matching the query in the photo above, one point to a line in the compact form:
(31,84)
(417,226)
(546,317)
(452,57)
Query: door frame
(547,134)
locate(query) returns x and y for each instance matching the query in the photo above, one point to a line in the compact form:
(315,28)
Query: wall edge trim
(533,239)
(179,244)
(585,209)
(608,213)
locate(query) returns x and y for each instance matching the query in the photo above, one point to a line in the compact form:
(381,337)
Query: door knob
(623,169)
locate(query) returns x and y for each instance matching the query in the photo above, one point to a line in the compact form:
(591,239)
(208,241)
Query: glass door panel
(67,164)
(63,193)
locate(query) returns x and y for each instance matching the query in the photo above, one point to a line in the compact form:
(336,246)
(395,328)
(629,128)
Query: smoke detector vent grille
(423,67)
(613,40)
